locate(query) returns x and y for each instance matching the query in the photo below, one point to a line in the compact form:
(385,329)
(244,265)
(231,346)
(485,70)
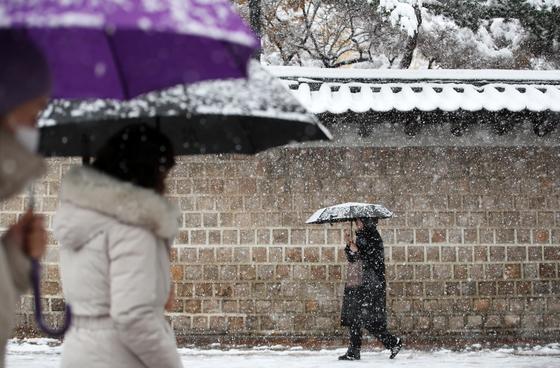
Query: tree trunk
(412,42)
(255,16)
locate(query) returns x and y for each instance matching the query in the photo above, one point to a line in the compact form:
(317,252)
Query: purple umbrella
(120,49)
(123,48)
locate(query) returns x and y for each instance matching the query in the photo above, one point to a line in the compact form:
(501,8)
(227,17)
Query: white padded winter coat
(114,257)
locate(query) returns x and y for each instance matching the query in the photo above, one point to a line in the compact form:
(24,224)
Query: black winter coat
(364,302)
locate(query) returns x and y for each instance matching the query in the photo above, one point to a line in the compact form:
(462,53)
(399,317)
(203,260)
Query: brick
(545,219)
(523,288)
(487,288)
(422,272)
(455,236)
(460,272)
(414,289)
(497,253)
(493,321)
(432,254)
(506,288)
(438,236)
(298,237)
(176,272)
(532,322)
(474,322)
(505,236)
(470,236)
(293,254)
(442,272)
(198,237)
(456,323)
(523,236)
(434,289)
(247,272)
(214,237)
(517,254)
(334,236)
(535,253)
(512,271)
(247,236)
(480,253)
(316,237)
(415,254)
(530,271)
(280,236)
(511,321)
(204,289)
(404,272)
(230,237)
(482,305)
(311,254)
(547,270)
(476,271)
(448,254)
(552,253)
(328,255)
(422,236)
(263,236)
(465,254)
(541,236)
(398,254)
(241,255)
(260,254)
(468,288)
(486,236)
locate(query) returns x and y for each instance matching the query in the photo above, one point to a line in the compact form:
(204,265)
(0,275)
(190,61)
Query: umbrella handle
(36,282)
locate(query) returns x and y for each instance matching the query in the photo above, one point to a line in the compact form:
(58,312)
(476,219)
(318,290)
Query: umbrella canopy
(348,212)
(121,49)
(234,116)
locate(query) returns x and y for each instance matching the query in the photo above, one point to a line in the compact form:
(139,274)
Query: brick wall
(473,251)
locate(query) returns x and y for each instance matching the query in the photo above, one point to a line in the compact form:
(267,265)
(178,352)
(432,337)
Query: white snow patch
(41,353)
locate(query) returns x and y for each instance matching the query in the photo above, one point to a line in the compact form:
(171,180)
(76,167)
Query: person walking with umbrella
(363,305)
(115,230)
(24,91)
(364,302)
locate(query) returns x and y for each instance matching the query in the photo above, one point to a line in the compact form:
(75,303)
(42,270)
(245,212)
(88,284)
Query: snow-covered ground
(43,353)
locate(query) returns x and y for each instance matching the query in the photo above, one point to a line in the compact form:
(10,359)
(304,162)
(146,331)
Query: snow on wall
(426,97)
(344,90)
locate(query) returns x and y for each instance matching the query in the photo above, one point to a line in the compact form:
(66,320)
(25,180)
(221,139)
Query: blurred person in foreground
(24,93)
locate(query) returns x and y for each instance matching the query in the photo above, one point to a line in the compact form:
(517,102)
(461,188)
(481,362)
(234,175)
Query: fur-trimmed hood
(88,189)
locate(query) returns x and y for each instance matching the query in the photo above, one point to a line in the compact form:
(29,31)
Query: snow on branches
(401,13)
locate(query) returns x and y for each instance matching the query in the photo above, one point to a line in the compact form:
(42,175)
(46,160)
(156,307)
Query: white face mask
(28,137)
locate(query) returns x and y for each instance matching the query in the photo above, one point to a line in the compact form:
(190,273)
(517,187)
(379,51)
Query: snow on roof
(341,90)
(418,74)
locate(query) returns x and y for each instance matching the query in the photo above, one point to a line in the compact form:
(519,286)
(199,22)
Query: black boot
(351,354)
(396,348)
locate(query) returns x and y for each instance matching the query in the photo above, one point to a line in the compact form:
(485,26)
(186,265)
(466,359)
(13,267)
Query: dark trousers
(382,334)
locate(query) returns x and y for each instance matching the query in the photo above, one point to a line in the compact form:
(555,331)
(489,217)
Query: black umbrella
(348,212)
(232,116)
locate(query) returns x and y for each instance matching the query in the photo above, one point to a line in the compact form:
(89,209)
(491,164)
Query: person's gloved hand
(30,234)
(350,241)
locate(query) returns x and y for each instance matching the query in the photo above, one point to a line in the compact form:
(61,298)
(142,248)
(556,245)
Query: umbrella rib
(118,66)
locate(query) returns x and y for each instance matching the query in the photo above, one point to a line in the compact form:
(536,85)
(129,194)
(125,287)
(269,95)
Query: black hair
(369,222)
(138,154)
